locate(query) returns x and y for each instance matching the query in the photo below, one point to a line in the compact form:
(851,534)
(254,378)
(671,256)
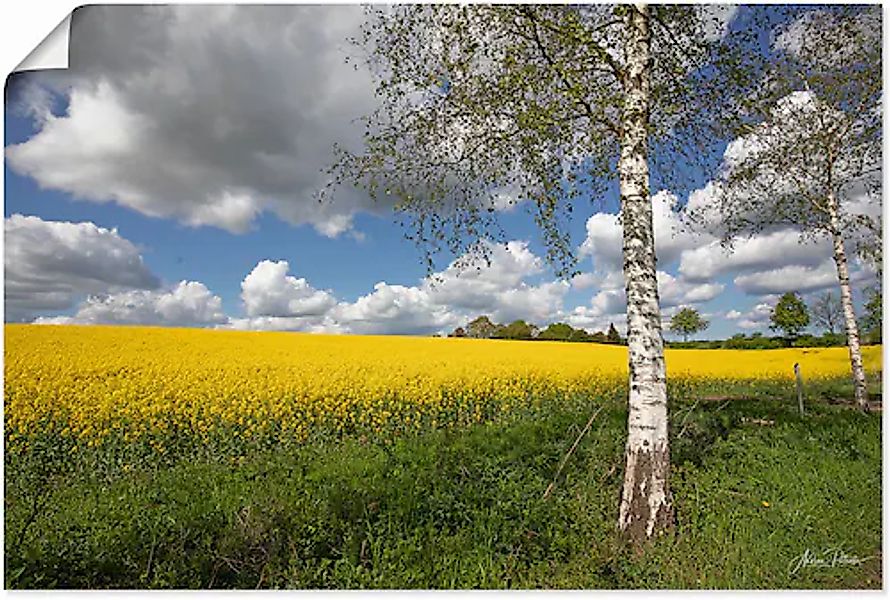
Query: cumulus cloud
(779,260)
(764,252)
(207,115)
(269,291)
(793,278)
(718,18)
(189,303)
(675,291)
(498,287)
(590,319)
(50,265)
(324,324)
(274,299)
(439,303)
(604,241)
(610,303)
(818,35)
(756,318)
(582,281)
(394,309)
(673,242)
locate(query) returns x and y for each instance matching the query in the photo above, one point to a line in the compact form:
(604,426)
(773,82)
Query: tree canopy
(481,327)
(873,319)
(810,130)
(790,315)
(688,321)
(827,312)
(557,331)
(487,106)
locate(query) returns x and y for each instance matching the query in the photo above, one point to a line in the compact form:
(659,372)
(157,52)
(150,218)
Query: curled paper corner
(52,52)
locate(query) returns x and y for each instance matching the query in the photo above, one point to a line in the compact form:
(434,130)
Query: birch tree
(484,107)
(810,153)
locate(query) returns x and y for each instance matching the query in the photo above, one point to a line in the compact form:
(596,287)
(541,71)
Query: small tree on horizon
(481,327)
(827,312)
(599,337)
(688,321)
(613,336)
(517,330)
(790,315)
(580,335)
(557,331)
(874,314)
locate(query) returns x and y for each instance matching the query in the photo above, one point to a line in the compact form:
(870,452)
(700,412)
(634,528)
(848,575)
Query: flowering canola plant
(96,384)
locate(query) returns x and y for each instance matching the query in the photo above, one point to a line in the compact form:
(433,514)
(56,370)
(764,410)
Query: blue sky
(175,157)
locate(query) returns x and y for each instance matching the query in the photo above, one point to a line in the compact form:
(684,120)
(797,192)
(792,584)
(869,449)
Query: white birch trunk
(645,498)
(860,390)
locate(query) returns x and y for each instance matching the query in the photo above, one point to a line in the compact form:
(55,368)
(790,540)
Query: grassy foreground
(756,487)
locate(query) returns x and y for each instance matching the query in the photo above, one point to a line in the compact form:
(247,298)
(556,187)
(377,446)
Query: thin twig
(216,566)
(262,574)
(151,555)
(685,417)
(609,474)
(570,452)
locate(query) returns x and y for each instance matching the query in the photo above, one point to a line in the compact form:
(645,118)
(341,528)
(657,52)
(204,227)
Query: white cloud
(307,324)
(604,241)
(762,252)
(816,34)
(269,291)
(394,309)
(718,18)
(207,115)
(591,320)
(275,300)
(675,291)
(535,304)
(189,303)
(673,241)
(439,303)
(498,287)
(50,265)
(583,281)
(610,302)
(756,318)
(792,278)
(229,210)
(604,244)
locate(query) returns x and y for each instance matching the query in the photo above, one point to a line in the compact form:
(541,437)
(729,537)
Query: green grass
(464,508)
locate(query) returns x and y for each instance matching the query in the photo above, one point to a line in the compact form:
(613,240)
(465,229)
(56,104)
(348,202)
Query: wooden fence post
(799,387)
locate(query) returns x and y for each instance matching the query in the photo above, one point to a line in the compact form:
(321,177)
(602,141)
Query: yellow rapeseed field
(91,384)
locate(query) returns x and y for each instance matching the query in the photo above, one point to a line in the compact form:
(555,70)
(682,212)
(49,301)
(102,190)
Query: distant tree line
(791,316)
(758,341)
(484,328)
